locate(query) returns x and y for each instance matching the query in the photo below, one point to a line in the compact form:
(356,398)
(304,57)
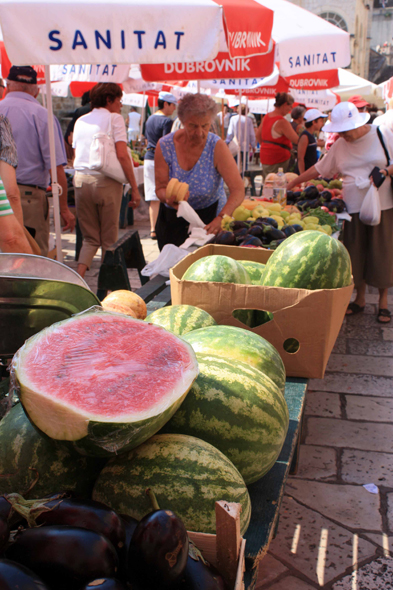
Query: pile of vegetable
(267,224)
(319,193)
(64,543)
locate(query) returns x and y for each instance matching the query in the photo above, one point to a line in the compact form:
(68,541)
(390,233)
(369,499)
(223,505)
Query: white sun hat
(167,97)
(313,114)
(345,117)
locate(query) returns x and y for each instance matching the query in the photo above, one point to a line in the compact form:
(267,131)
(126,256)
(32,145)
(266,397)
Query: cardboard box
(313,318)
(226,549)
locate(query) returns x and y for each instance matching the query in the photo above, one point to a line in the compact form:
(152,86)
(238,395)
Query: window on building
(335,19)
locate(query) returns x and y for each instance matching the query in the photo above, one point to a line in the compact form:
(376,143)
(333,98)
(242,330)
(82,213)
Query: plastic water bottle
(280,188)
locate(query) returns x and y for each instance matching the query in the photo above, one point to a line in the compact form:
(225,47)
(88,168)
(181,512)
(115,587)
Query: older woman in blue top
(203,160)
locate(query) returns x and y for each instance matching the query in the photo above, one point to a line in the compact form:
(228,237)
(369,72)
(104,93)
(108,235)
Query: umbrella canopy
(350,84)
(127,31)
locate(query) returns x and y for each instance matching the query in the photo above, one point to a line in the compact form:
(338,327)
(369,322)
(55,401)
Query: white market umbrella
(351,84)
(127,31)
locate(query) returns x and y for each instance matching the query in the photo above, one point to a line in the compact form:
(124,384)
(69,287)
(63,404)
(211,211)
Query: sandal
(153,235)
(384,313)
(354,308)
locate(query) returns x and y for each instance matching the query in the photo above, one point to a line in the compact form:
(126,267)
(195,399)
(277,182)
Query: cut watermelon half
(104,381)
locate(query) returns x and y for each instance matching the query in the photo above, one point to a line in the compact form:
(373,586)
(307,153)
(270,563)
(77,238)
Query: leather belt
(33,186)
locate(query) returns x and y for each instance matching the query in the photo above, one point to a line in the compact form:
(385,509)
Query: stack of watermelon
(103,408)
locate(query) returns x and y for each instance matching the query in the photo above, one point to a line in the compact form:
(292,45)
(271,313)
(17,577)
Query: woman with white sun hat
(353,156)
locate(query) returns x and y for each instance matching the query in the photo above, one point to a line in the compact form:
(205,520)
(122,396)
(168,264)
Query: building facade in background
(353,16)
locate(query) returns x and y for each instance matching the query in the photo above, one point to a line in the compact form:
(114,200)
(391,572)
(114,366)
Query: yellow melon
(112,306)
(128,300)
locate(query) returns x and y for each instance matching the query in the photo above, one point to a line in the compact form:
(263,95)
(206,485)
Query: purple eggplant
(158,551)
(288,230)
(326,196)
(130,525)
(297,227)
(105,584)
(240,234)
(255,230)
(239,225)
(64,557)
(85,514)
(200,575)
(226,238)
(16,576)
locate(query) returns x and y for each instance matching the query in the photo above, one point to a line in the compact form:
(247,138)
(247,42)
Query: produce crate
(312,319)
(225,549)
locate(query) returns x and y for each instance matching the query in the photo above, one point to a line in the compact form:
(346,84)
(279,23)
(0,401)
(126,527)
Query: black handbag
(380,137)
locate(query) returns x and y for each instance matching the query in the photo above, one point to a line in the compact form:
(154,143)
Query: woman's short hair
(297,112)
(283,98)
(192,105)
(101,93)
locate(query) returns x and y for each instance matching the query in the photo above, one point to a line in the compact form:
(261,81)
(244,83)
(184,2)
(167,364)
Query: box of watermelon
(295,297)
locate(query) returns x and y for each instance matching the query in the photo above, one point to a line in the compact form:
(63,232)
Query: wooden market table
(267,493)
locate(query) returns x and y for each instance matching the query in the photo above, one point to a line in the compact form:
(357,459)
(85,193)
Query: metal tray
(28,265)
(28,304)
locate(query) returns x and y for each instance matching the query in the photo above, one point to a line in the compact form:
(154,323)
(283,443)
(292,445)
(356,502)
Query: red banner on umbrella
(248,27)
(261,92)
(222,67)
(314,81)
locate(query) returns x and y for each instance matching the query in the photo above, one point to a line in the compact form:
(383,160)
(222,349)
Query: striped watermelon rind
(240,345)
(186,474)
(237,409)
(26,457)
(219,269)
(255,270)
(181,319)
(93,432)
(309,260)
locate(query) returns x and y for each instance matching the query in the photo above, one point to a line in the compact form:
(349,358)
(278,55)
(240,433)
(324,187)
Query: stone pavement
(333,533)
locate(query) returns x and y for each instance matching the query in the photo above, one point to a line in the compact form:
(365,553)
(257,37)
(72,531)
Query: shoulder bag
(380,137)
(103,157)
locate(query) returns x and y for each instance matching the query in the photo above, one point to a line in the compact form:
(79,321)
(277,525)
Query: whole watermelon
(309,260)
(180,319)
(220,269)
(255,270)
(186,474)
(237,344)
(237,409)
(27,457)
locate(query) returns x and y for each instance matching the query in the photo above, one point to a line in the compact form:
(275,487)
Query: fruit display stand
(266,494)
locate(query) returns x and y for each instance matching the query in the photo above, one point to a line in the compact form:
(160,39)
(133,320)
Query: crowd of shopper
(196,148)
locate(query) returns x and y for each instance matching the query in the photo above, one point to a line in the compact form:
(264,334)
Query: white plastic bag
(370,211)
(169,256)
(198,235)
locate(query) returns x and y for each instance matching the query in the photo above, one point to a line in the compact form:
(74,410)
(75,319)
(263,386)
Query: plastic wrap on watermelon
(102,381)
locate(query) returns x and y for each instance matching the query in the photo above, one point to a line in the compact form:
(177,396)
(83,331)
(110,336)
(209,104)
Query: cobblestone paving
(333,533)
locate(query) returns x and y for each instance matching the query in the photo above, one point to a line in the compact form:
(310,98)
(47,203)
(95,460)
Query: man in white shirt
(245,136)
(134,121)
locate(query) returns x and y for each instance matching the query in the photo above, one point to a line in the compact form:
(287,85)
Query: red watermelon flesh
(106,373)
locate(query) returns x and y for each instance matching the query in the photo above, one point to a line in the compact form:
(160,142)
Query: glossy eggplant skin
(198,576)
(227,238)
(158,551)
(13,575)
(5,512)
(64,557)
(251,241)
(105,584)
(130,525)
(86,514)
